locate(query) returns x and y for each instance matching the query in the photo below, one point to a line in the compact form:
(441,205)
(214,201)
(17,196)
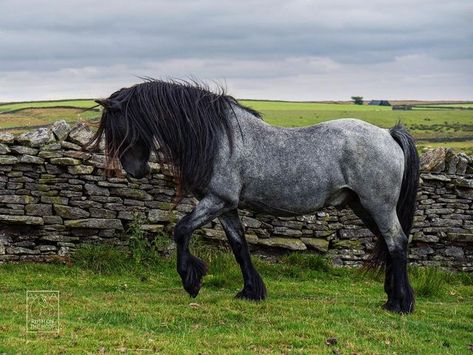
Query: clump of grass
(142,252)
(369,273)
(428,281)
(101,258)
(464,278)
(141,248)
(298,266)
(208,251)
(224,271)
(146,251)
(313,262)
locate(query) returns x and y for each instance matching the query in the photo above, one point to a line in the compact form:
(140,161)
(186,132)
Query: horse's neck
(245,118)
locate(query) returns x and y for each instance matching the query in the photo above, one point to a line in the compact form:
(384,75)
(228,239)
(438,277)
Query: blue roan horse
(229,158)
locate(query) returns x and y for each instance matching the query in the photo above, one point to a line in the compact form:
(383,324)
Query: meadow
(431,125)
(112,303)
(116,301)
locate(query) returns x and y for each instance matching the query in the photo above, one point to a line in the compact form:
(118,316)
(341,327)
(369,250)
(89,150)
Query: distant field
(42,116)
(465,105)
(74,103)
(465,146)
(17,117)
(454,127)
(432,124)
(426,125)
(310,106)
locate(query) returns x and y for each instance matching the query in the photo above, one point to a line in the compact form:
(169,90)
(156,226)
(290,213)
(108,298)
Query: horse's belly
(275,209)
(286,201)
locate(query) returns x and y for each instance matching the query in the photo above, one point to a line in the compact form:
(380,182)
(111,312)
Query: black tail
(406,204)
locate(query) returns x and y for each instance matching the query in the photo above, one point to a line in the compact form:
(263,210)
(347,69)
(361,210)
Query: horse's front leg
(253,287)
(190,268)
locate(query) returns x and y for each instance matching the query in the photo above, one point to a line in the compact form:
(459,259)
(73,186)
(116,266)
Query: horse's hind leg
(401,295)
(190,268)
(397,287)
(381,247)
(253,288)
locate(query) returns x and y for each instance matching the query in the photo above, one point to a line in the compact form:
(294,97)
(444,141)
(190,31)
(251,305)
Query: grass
(429,281)
(465,105)
(462,146)
(309,106)
(101,259)
(82,103)
(428,124)
(312,308)
(17,117)
(37,117)
(431,124)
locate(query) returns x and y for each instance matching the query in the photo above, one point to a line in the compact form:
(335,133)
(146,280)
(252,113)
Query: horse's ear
(110,104)
(101,102)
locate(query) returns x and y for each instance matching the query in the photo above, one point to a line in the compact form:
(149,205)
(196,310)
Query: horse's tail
(406,205)
(407,198)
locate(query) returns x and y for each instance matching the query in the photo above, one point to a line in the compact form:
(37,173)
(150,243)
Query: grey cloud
(239,41)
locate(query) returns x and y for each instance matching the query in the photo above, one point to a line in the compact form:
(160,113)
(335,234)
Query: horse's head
(124,140)
(183,123)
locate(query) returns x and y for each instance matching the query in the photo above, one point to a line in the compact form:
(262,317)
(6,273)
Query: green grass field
(426,124)
(311,308)
(83,103)
(464,105)
(37,117)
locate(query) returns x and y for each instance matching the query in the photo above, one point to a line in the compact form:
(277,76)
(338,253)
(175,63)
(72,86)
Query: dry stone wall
(54,197)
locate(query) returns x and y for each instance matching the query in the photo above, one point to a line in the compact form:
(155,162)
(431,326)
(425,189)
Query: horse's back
(326,149)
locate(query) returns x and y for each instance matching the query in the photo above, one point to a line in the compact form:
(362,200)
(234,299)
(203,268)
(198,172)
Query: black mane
(181,121)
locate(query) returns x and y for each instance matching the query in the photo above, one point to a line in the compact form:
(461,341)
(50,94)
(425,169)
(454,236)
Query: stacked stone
(443,228)
(325,231)
(445,160)
(54,197)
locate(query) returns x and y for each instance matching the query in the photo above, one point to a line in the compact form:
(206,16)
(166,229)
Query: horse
(229,158)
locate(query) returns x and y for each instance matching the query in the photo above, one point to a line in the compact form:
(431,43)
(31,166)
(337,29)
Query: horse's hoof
(193,290)
(257,292)
(195,270)
(404,304)
(249,295)
(392,307)
(397,308)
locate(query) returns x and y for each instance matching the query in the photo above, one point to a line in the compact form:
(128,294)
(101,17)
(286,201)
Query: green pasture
(271,106)
(462,105)
(426,125)
(423,124)
(38,117)
(109,303)
(429,124)
(82,103)
(465,146)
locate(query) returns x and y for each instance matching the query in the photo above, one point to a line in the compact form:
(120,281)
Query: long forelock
(115,140)
(113,145)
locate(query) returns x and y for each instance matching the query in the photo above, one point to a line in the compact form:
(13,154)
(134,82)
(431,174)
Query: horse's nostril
(141,172)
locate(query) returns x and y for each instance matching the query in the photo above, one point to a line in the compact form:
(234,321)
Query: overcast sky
(291,49)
